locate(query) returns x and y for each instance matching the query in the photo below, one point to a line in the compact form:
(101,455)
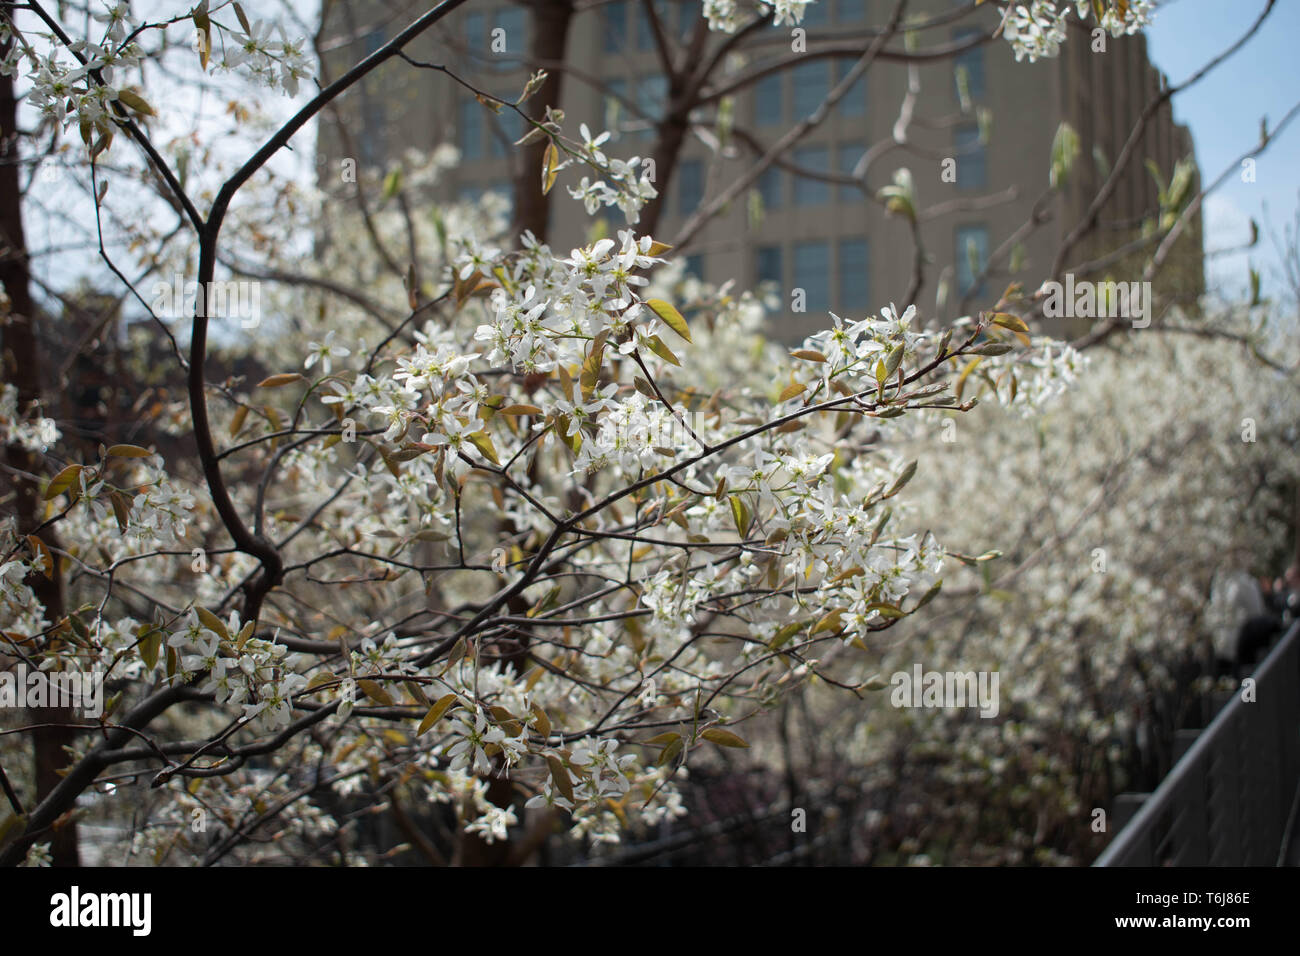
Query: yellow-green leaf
(62,481)
(435,713)
(550,167)
(129,451)
(375,692)
(723,738)
(670,316)
(212,622)
(740,515)
(790,391)
(283,378)
(136,102)
(483,442)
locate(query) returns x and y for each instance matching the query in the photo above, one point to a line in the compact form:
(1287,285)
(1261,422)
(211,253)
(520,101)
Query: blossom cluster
(1038,29)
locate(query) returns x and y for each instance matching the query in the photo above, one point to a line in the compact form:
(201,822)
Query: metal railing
(1228,801)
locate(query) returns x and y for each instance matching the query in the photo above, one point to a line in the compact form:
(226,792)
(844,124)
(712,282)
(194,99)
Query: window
(854,102)
(476,33)
(769,103)
(816,14)
(853,290)
(812,268)
(767,265)
(690,186)
(847,156)
(510,127)
(812,192)
(972,60)
(614,23)
(972,257)
(515,24)
(645,34)
(372,42)
(652,94)
(811,84)
(850,11)
(689,14)
(614,105)
(771,187)
(695,265)
(470,129)
(972,171)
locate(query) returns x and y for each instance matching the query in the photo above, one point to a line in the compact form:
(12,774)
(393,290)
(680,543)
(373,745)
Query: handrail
(1228,801)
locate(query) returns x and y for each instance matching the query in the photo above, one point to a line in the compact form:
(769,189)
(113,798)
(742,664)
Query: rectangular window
(968,150)
(853,267)
(470,129)
(850,11)
(816,14)
(690,186)
(514,21)
(614,110)
(854,102)
(811,84)
(847,156)
(769,101)
(972,61)
(767,265)
(972,251)
(812,273)
(812,192)
(771,187)
(476,33)
(613,19)
(689,13)
(372,42)
(509,127)
(695,265)
(645,34)
(652,94)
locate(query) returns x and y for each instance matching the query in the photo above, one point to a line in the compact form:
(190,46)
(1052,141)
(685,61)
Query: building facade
(978,145)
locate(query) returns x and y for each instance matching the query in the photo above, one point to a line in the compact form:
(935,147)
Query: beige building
(823,245)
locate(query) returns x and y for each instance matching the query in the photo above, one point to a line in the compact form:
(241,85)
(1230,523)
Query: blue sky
(1223,111)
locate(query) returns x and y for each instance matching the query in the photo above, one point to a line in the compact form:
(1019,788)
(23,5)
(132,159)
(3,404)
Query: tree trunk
(548,41)
(21,368)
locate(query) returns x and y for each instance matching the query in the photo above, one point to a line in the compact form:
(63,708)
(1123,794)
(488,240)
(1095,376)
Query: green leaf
(904,477)
(62,481)
(483,442)
(560,777)
(663,351)
(894,359)
(129,451)
(790,391)
(1065,149)
(670,316)
(590,376)
(280,380)
(740,515)
(550,167)
(212,622)
(435,713)
(150,641)
(392,183)
(375,692)
(136,102)
(723,738)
